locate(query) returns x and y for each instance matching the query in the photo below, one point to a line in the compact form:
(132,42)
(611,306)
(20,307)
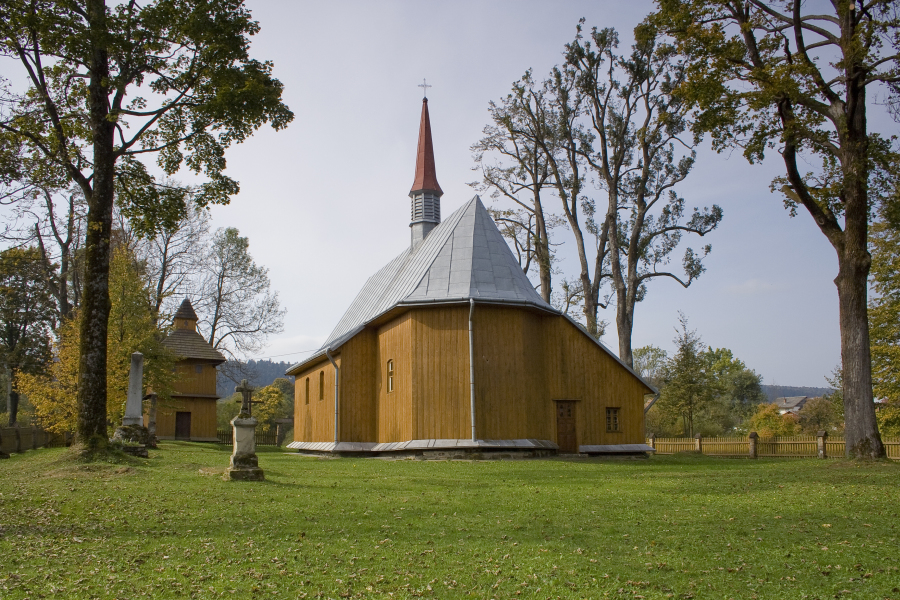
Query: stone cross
(246,392)
(133,405)
(244,463)
(424,87)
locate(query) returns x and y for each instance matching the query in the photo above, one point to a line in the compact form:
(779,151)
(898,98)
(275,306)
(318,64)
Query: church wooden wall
(524,361)
(358,417)
(577,369)
(203,418)
(394,409)
(440,373)
(188,381)
(314,422)
(511,397)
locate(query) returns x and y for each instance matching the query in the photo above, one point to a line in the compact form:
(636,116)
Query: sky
(324,202)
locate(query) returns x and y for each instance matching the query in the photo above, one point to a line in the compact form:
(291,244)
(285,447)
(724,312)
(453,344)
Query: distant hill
(786,391)
(259,373)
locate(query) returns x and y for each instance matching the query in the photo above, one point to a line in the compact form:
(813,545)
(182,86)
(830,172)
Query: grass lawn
(667,527)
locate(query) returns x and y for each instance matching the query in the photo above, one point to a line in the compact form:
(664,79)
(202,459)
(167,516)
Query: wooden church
(449,349)
(191,413)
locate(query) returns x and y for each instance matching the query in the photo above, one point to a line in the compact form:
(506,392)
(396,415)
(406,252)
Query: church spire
(426,192)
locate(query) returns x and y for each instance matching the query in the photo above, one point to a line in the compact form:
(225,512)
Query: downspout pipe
(472,367)
(337,383)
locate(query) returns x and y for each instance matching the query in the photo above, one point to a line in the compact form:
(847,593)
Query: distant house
(191,414)
(791,404)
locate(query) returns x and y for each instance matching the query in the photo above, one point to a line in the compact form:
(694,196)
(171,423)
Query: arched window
(321,385)
(390,376)
(306,396)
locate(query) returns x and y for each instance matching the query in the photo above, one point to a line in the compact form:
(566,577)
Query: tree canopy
(801,78)
(27,314)
(107,86)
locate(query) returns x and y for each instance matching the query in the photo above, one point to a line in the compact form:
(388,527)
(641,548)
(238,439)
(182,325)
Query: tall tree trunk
(13,407)
(861,429)
(95,304)
(542,248)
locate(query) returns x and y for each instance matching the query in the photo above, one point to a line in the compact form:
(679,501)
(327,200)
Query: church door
(565,427)
(182,426)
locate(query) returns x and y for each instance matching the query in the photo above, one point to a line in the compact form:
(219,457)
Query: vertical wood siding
(315,422)
(188,381)
(524,362)
(511,398)
(440,372)
(358,416)
(394,409)
(203,417)
(577,369)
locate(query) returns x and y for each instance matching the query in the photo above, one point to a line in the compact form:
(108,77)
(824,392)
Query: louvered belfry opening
(426,206)
(426,192)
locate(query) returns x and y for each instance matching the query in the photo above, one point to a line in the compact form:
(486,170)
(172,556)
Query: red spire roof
(426,178)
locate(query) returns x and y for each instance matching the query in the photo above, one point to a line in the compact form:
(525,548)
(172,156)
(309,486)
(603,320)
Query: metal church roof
(464,257)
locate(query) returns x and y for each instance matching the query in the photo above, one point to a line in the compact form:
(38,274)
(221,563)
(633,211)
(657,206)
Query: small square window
(198,368)
(612,419)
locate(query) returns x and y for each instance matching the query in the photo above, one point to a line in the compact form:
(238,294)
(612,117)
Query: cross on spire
(424,87)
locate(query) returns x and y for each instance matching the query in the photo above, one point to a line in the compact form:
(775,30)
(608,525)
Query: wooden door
(182,426)
(565,427)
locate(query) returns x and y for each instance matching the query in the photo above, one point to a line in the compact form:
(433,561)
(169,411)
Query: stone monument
(133,409)
(133,436)
(244,463)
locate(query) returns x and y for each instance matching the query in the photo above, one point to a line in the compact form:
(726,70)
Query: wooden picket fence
(20,439)
(794,446)
(263,438)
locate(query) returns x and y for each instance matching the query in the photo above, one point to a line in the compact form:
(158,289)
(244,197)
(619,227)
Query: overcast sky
(324,202)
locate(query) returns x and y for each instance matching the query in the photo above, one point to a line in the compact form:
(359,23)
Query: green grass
(668,527)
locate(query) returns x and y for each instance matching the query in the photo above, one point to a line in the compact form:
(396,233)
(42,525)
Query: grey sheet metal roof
(464,257)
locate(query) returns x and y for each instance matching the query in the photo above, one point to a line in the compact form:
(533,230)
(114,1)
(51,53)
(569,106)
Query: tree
(53,220)
(544,122)
(884,312)
(272,406)
(751,75)
(650,363)
(521,179)
(106,85)
(174,257)
(132,329)
(237,309)
(27,314)
(636,122)
(819,414)
(768,422)
(287,389)
(688,385)
(739,386)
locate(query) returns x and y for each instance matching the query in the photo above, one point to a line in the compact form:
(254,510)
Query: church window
(390,376)
(612,419)
(198,368)
(306,395)
(321,385)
